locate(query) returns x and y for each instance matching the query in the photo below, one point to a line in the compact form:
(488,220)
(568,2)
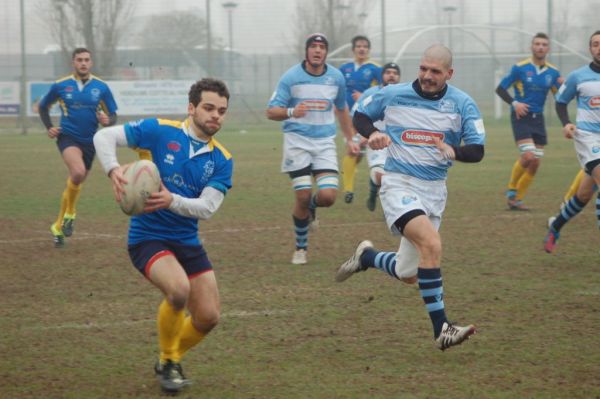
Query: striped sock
(301,230)
(569,211)
(432,292)
(384,261)
(598,209)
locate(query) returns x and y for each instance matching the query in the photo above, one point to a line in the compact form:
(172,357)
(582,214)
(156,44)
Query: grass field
(79,322)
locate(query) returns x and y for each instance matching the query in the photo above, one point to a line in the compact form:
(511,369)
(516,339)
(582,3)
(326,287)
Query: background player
(532,79)
(307,99)
(390,74)
(583,84)
(360,74)
(425,123)
(85,101)
(163,244)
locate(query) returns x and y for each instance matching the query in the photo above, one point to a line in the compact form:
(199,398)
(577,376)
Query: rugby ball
(143,179)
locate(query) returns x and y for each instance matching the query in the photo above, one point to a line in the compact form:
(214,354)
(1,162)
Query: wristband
(514,103)
(290,112)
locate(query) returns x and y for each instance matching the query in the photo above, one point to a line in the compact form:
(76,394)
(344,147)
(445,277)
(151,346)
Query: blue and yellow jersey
(79,103)
(360,78)
(532,83)
(186,165)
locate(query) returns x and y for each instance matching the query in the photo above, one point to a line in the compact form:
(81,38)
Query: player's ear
(450,73)
(191,109)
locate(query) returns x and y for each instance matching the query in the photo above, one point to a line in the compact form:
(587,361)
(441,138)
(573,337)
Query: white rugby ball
(143,179)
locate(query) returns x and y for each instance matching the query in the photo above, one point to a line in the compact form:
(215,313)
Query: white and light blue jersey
(320,93)
(412,122)
(186,167)
(584,84)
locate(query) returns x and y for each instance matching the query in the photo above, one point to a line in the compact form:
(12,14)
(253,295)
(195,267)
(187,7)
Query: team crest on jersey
(595,149)
(421,137)
(69,89)
(548,80)
(329,80)
(317,105)
(209,168)
(96,93)
(447,106)
(407,199)
(174,146)
(594,102)
(367,73)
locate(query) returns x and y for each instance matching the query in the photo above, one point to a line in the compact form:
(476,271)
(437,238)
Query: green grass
(79,322)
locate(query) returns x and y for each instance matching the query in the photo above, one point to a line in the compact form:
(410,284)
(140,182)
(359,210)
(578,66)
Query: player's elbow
(271,114)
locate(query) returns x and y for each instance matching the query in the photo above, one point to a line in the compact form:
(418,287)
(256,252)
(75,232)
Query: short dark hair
(540,35)
(594,34)
(207,84)
(80,50)
(358,38)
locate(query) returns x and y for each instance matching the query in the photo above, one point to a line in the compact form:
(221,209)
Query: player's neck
(197,133)
(315,71)
(360,61)
(538,62)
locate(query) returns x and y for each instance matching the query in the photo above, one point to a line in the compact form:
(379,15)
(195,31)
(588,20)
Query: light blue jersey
(584,84)
(319,93)
(412,122)
(186,167)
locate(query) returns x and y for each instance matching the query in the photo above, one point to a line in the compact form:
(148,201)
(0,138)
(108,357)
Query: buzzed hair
(540,35)
(80,50)
(441,53)
(594,34)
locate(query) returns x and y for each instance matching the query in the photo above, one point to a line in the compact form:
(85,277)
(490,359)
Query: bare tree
(339,20)
(97,25)
(181,30)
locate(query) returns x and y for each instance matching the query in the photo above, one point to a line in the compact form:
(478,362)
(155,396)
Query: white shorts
(376,157)
(300,152)
(401,194)
(587,146)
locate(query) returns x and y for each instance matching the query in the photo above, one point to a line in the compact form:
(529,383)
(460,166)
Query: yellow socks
(574,186)
(169,322)
(72,192)
(348,171)
(61,213)
(524,183)
(517,172)
(189,337)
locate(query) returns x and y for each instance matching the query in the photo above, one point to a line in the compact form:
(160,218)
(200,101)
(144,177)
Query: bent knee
(178,296)
(207,321)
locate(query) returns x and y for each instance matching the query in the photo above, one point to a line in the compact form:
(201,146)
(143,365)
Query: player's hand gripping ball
(143,179)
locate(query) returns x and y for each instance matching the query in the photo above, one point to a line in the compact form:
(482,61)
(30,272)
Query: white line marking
(85,236)
(128,323)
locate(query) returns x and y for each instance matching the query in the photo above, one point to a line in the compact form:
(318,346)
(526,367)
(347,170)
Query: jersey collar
(185,126)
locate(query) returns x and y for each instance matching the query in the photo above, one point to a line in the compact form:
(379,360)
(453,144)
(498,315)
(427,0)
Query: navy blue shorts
(193,258)
(89,151)
(530,126)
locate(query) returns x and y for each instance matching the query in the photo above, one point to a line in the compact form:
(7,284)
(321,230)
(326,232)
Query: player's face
(209,114)
(390,77)
(433,75)
(316,54)
(595,48)
(82,64)
(540,48)
(361,50)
